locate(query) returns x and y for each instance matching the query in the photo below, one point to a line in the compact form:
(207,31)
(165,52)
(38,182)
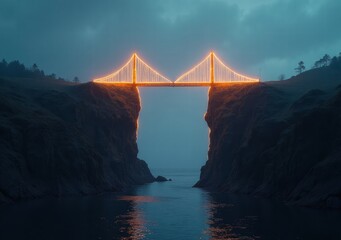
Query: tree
(300,67)
(3,67)
(335,63)
(334,60)
(35,71)
(35,68)
(318,64)
(16,69)
(4,62)
(281,77)
(326,60)
(323,62)
(76,79)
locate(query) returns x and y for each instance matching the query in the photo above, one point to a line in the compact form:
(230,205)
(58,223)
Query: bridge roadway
(175,84)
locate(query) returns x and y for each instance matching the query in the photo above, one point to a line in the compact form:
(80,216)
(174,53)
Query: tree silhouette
(318,64)
(326,60)
(335,63)
(3,67)
(300,67)
(35,67)
(281,77)
(323,62)
(76,79)
(18,70)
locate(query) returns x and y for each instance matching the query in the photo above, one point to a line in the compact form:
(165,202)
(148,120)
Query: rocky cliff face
(58,139)
(277,139)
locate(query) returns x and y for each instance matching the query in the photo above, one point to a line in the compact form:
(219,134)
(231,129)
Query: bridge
(210,71)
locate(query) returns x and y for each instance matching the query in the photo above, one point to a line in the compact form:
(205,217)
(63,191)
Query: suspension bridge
(210,71)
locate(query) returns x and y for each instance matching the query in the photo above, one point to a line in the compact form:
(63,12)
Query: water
(169,210)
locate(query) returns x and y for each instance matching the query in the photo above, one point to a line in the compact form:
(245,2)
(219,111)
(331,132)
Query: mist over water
(172,129)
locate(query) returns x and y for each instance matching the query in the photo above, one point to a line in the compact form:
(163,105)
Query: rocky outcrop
(161,179)
(276,139)
(59,139)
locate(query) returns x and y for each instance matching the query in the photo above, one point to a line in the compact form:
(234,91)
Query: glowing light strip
(240,75)
(196,75)
(104,79)
(191,70)
(152,70)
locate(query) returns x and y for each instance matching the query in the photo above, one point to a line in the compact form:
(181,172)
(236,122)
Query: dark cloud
(86,37)
(288,29)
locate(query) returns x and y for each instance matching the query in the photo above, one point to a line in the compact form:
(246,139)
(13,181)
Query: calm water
(170,210)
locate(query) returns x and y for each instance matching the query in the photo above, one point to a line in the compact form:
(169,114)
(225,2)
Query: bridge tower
(211,68)
(134,68)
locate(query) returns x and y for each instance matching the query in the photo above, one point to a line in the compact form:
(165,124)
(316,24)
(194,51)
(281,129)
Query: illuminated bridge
(210,71)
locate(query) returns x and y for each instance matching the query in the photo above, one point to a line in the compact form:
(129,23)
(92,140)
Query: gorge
(276,139)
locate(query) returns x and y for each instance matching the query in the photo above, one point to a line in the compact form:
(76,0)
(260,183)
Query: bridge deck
(175,84)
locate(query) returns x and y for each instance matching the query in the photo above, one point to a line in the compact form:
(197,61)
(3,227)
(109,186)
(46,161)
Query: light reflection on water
(133,225)
(162,211)
(220,230)
(137,199)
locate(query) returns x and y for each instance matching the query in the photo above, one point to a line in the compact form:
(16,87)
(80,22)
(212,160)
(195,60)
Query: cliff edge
(277,139)
(58,138)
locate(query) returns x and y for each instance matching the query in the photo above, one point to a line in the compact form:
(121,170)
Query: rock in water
(160,179)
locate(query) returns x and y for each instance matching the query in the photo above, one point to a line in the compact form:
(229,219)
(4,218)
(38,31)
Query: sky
(86,38)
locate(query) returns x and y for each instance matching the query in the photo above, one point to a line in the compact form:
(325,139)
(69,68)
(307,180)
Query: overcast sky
(86,38)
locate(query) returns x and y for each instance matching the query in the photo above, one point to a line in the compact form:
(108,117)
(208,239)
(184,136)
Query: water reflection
(132,224)
(219,229)
(166,211)
(241,217)
(137,199)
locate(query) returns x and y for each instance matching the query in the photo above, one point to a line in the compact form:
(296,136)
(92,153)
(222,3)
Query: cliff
(57,138)
(277,139)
